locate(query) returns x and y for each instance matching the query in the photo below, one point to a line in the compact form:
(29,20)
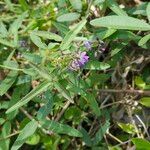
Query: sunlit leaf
(121,22)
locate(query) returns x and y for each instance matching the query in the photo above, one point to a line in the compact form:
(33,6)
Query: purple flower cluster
(80,60)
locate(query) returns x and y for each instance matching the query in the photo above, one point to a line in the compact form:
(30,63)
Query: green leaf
(4,105)
(86,138)
(139,82)
(105,33)
(17,23)
(13,30)
(24,4)
(118,48)
(61,28)
(145,101)
(33,140)
(9,4)
(144,40)
(63,91)
(125,36)
(138,9)
(70,36)
(141,144)
(17,93)
(100,133)
(96,65)
(148,11)
(7,43)
(92,103)
(36,91)
(129,128)
(47,108)
(115,8)
(121,22)
(61,128)
(12,65)
(43,73)
(32,57)
(3,30)
(2,121)
(76,4)
(68,17)
(96,2)
(48,35)
(7,82)
(37,41)
(25,133)
(5,131)
(73,113)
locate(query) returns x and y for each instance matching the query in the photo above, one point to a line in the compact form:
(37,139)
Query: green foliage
(145,101)
(141,144)
(68,17)
(25,133)
(121,22)
(74,74)
(129,128)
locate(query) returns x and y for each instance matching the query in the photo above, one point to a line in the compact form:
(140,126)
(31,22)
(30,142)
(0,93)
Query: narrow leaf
(5,131)
(26,132)
(32,57)
(61,128)
(115,8)
(13,30)
(3,30)
(148,11)
(86,138)
(68,17)
(72,34)
(121,22)
(42,72)
(144,40)
(93,103)
(102,130)
(105,33)
(7,82)
(37,41)
(76,4)
(48,35)
(24,4)
(36,91)
(7,43)
(63,91)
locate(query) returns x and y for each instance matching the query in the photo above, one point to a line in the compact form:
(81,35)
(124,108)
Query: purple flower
(80,60)
(83,58)
(87,44)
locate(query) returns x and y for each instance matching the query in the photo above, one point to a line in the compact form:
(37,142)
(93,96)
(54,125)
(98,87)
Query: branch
(142,92)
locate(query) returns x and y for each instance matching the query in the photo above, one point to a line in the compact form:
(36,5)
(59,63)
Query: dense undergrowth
(74,74)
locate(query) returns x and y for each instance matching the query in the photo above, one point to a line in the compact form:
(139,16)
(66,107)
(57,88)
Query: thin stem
(115,138)
(132,91)
(10,135)
(88,9)
(142,125)
(107,105)
(63,110)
